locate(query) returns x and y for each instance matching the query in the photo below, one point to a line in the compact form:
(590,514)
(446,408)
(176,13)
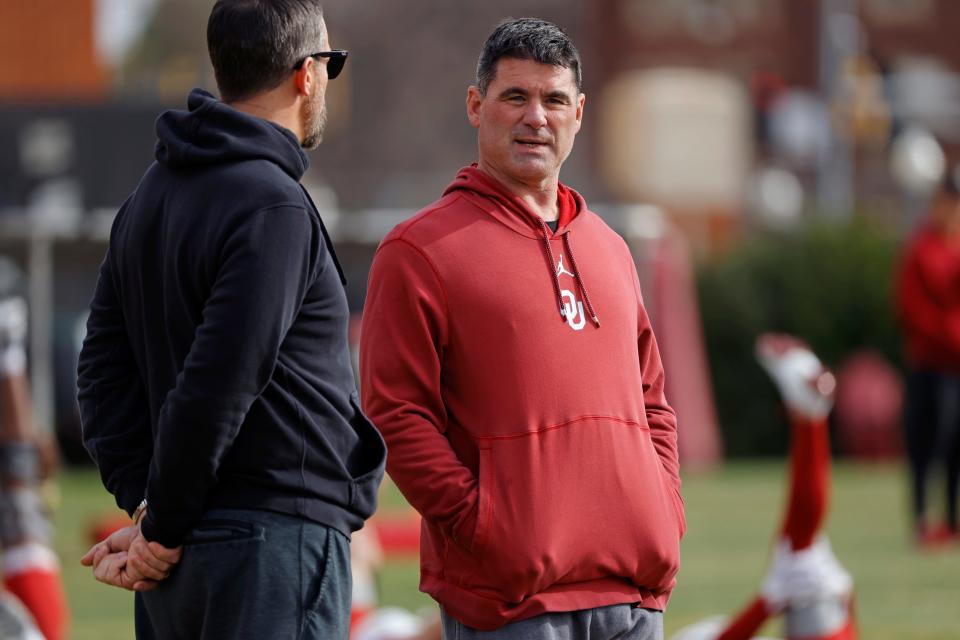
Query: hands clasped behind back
(126,559)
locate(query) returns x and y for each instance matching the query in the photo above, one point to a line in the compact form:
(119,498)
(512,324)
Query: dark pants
(933,435)
(252,574)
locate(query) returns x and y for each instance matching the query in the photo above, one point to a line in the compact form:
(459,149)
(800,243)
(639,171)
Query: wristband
(140,511)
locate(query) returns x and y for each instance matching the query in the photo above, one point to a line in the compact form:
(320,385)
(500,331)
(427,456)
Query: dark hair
(527,39)
(255,44)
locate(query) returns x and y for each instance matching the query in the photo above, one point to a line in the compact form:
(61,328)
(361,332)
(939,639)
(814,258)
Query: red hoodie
(928,300)
(538,447)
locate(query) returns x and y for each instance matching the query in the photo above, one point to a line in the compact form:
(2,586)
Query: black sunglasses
(335,61)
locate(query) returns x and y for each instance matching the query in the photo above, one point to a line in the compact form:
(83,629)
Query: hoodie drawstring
(579,279)
(576,274)
(553,269)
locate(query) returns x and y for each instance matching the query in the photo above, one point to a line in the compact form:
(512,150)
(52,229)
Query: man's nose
(534,115)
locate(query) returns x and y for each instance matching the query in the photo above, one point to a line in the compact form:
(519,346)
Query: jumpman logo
(572,308)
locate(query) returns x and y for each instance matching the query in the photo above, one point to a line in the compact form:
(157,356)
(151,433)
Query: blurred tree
(171,56)
(827,284)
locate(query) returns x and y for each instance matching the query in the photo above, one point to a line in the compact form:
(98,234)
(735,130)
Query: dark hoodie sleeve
(112,398)
(265,267)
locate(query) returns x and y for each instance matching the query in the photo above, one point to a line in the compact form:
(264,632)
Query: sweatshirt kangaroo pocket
(567,505)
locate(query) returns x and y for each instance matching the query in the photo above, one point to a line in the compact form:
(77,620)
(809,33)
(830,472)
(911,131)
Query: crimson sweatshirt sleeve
(403,335)
(265,267)
(660,415)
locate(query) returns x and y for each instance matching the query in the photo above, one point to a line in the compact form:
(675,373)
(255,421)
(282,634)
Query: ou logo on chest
(573,310)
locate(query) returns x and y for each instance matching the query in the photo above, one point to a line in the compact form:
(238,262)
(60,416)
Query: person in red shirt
(805,583)
(31,570)
(507,358)
(928,307)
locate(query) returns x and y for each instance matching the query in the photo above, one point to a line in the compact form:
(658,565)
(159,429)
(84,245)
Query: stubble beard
(314,122)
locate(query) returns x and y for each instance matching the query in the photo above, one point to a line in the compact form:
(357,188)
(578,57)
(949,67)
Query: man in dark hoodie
(536,442)
(215,385)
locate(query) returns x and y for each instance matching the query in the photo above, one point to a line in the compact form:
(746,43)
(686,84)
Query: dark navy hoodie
(216,371)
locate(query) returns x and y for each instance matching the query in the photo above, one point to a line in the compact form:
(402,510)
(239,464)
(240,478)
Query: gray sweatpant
(252,574)
(619,621)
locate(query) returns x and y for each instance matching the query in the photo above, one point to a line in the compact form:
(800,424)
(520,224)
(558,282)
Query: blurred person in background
(215,384)
(536,442)
(31,570)
(928,307)
(805,582)
(368,620)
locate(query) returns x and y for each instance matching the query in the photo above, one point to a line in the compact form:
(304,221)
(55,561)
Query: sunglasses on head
(335,61)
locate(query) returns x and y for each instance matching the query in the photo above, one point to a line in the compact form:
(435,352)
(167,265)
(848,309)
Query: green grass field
(902,594)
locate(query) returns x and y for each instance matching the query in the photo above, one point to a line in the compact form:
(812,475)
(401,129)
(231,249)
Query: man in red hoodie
(509,362)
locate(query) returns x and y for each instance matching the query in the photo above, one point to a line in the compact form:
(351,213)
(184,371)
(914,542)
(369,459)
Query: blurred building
(770,45)
(47,51)
(398,128)
(735,37)
(827,85)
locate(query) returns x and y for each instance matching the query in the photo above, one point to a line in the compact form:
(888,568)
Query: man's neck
(267,106)
(540,197)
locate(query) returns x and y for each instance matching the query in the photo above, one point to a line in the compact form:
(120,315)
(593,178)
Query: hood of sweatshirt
(512,210)
(210,132)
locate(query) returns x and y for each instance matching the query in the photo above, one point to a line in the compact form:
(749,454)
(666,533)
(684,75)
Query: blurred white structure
(678,137)
(119,24)
(917,162)
(927,92)
(800,127)
(775,197)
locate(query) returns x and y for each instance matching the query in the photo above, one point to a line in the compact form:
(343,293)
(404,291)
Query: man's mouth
(531,143)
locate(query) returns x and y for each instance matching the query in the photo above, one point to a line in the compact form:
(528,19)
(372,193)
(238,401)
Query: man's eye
(515,98)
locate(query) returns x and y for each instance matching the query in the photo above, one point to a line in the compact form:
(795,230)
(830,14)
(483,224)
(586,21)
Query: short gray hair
(528,39)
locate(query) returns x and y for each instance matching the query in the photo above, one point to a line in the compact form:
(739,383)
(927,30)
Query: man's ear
(581,99)
(474,101)
(305,78)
